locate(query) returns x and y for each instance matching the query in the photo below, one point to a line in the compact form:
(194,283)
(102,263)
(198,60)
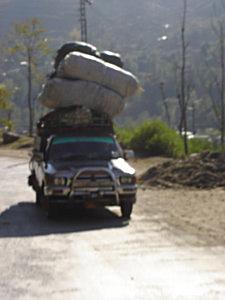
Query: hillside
(133,28)
(126,21)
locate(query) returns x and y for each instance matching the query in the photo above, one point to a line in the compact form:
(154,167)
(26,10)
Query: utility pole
(83,19)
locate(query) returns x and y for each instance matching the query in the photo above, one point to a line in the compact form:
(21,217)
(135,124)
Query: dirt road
(95,255)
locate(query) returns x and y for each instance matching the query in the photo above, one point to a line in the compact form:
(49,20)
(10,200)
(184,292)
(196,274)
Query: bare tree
(216,87)
(165,104)
(29,43)
(222,78)
(182,97)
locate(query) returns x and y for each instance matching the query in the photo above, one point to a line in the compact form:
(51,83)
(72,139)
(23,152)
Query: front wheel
(39,197)
(126,207)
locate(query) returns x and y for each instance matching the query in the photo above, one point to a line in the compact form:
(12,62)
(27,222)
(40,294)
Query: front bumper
(63,195)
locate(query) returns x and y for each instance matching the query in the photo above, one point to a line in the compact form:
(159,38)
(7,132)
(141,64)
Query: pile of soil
(205,170)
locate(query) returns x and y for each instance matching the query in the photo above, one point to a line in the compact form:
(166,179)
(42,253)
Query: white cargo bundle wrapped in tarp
(81,66)
(60,92)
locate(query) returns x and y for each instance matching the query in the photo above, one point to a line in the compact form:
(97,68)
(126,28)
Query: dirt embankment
(205,171)
(187,196)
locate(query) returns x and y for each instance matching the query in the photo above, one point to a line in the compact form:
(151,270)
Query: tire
(30,181)
(39,197)
(41,200)
(126,207)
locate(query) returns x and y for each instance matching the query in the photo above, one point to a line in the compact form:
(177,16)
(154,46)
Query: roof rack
(70,119)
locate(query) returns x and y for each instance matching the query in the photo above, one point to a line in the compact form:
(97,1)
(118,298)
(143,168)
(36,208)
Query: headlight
(127,179)
(60,181)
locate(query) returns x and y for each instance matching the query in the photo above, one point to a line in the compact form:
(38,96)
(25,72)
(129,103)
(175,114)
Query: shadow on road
(26,220)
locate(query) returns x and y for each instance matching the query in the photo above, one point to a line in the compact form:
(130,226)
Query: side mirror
(129,154)
(115,154)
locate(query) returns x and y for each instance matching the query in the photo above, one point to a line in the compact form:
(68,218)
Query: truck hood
(68,169)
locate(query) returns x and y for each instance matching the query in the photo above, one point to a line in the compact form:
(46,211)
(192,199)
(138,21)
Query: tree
(219,108)
(215,85)
(165,104)
(28,42)
(4,97)
(5,105)
(182,97)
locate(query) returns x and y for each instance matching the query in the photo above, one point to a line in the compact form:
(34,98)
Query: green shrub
(124,136)
(198,145)
(152,138)
(6,123)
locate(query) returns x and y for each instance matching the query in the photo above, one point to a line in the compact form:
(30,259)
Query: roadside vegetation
(156,138)
(147,139)
(23,142)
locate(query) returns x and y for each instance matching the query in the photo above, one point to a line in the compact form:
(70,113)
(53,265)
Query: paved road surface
(95,255)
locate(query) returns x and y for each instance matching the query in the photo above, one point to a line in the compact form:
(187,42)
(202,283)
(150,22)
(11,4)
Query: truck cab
(82,169)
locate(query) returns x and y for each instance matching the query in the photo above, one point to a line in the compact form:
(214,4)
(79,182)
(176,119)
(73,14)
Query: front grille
(93,179)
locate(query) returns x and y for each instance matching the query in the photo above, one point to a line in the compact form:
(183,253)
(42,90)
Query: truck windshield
(69,148)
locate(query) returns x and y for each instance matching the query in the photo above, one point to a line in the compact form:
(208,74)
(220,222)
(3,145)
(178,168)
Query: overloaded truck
(76,158)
